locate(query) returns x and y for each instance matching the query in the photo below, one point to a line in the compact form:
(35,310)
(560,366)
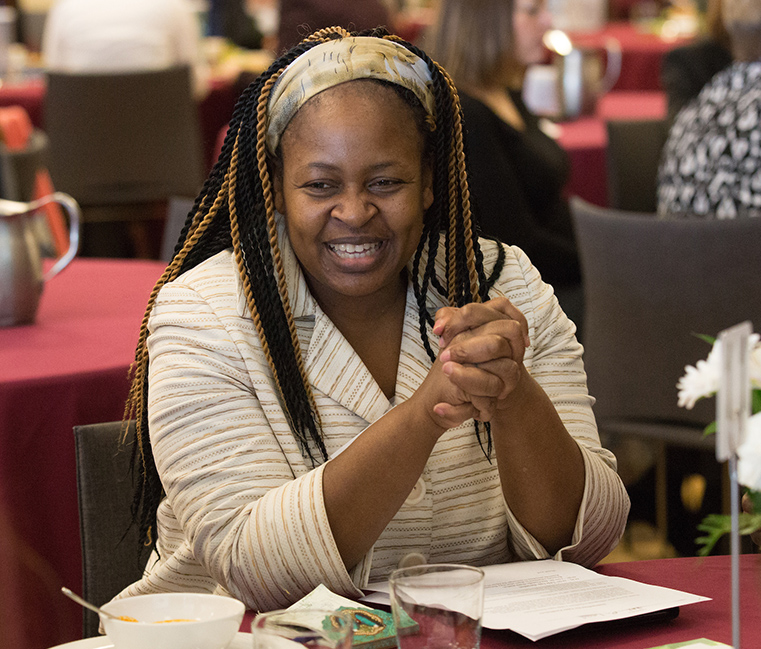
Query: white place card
(733,398)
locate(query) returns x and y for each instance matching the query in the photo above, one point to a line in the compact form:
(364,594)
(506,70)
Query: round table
(67,369)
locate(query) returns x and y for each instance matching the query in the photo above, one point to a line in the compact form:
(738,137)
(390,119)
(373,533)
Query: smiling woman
(337,376)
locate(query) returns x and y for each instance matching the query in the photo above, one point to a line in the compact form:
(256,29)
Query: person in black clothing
(517,172)
(228,18)
(685,70)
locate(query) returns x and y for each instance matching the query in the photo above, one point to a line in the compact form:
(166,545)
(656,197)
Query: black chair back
(633,155)
(649,286)
(110,543)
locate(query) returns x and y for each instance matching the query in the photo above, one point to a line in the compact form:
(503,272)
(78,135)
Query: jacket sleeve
(556,364)
(250,510)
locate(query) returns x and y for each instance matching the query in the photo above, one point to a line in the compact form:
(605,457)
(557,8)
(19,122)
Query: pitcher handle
(612,65)
(73,212)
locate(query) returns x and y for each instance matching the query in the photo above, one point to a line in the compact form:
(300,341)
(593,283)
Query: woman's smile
(355,251)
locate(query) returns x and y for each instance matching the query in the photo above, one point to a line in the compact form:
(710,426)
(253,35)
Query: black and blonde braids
(466,279)
(277,270)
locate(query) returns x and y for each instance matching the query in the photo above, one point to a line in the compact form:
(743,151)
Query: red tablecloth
(586,140)
(215,110)
(709,577)
(641,53)
(69,368)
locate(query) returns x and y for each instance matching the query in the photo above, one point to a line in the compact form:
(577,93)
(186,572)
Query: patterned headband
(337,61)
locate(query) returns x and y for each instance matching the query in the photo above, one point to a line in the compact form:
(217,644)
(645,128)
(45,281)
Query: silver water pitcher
(570,87)
(582,78)
(21,276)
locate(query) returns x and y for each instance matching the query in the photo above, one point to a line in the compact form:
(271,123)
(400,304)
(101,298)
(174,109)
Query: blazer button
(417,494)
(412,559)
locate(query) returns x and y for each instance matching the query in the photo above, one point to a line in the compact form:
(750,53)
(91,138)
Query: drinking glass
(445,601)
(297,628)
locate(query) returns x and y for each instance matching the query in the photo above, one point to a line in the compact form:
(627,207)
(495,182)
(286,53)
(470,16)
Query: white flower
(749,455)
(700,381)
(703,380)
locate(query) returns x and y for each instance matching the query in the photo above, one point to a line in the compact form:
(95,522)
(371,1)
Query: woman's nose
(354,208)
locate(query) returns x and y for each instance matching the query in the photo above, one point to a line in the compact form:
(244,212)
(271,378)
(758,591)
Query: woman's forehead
(348,96)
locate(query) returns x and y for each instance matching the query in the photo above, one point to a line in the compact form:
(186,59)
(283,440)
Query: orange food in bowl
(177,620)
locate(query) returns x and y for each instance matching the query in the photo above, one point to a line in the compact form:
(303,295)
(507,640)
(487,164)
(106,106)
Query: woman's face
(531,20)
(353,188)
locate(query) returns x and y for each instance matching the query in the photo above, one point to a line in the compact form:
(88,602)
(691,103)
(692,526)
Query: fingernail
(448,369)
(446,356)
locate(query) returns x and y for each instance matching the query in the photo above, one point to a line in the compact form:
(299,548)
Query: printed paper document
(540,598)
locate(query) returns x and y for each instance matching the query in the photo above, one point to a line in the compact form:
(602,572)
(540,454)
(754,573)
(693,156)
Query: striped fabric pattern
(244,513)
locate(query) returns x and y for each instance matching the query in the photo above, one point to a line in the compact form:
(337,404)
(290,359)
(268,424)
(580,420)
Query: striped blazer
(244,512)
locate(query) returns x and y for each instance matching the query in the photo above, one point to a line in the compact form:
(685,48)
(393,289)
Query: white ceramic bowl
(214,621)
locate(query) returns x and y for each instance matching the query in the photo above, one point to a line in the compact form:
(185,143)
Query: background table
(69,368)
(586,140)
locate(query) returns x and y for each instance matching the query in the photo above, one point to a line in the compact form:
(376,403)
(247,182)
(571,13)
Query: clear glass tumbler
(445,602)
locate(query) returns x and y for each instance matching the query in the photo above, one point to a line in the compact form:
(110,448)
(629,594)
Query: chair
(177,214)
(649,285)
(32,27)
(109,542)
(122,144)
(18,167)
(633,156)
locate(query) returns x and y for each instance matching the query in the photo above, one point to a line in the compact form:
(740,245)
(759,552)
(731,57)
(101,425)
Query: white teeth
(353,250)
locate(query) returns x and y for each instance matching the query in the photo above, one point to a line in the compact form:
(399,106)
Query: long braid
(269,207)
(229,213)
(466,281)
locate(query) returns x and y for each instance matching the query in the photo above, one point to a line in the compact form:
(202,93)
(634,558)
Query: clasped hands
(480,362)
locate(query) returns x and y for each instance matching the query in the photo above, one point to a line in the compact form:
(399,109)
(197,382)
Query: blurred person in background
(298,18)
(517,171)
(124,35)
(231,20)
(711,160)
(685,70)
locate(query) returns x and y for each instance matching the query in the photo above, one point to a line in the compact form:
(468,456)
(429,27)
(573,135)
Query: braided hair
(240,184)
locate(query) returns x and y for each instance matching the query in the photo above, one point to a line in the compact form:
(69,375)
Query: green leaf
(717,525)
(710,429)
(709,339)
(755,497)
(755,397)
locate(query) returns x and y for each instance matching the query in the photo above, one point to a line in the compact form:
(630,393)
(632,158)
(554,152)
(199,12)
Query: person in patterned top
(711,163)
(336,376)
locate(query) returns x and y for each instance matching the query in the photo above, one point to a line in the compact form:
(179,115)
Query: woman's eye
(385,183)
(317,185)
